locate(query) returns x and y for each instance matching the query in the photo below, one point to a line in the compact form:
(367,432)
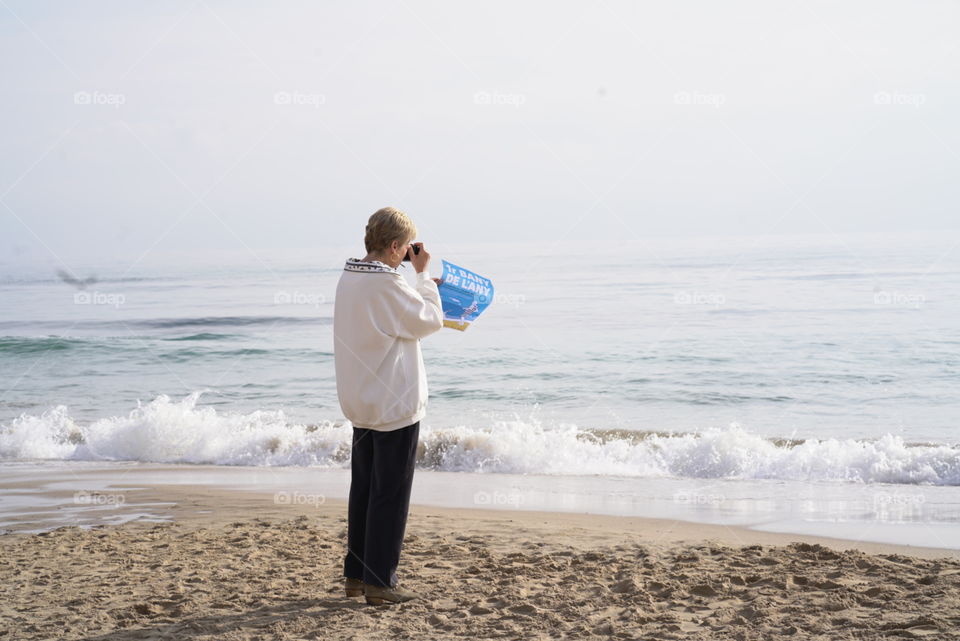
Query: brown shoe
(353,587)
(378,595)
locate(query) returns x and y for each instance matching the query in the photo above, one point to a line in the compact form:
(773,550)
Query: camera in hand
(416,250)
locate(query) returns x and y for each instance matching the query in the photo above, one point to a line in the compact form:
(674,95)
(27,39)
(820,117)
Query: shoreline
(239,566)
(41,496)
(197,506)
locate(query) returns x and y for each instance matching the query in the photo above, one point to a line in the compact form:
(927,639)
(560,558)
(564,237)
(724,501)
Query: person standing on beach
(378,321)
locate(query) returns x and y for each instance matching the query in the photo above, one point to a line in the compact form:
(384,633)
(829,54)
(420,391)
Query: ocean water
(803,359)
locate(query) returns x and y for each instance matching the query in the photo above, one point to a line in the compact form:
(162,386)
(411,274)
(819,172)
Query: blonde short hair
(387,225)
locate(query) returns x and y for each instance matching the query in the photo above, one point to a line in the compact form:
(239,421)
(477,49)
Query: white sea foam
(166,431)
(181,432)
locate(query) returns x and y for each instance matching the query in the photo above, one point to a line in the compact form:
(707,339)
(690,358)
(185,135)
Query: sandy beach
(240,566)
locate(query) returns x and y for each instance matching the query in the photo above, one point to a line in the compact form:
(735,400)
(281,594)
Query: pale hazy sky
(128,125)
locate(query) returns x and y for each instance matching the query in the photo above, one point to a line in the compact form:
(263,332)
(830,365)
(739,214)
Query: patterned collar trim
(369,267)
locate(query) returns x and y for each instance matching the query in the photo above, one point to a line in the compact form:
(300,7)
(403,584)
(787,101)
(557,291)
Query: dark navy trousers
(381,476)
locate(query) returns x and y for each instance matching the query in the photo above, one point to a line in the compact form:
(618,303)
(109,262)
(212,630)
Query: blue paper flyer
(463,295)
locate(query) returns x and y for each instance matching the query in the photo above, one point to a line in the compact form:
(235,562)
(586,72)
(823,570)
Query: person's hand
(419,261)
(437,281)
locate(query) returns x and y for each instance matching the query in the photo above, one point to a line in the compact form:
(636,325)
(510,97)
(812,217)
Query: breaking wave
(168,431)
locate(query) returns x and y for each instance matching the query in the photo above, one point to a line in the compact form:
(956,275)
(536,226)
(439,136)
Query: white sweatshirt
(378,321)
